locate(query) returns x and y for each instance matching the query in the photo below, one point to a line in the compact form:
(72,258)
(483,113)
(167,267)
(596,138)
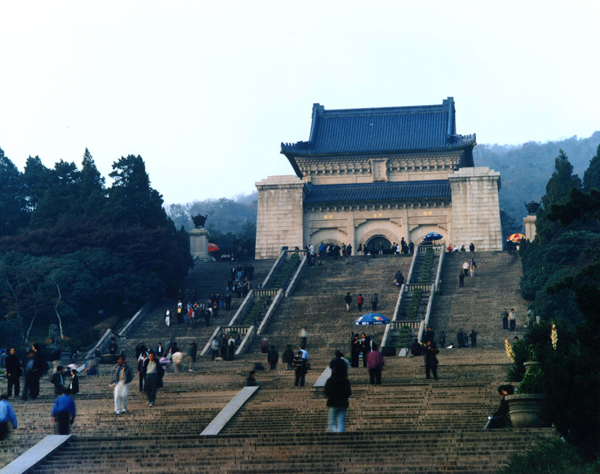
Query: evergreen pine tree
(591,177)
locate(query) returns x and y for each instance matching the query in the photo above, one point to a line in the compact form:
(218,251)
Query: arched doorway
(375,243)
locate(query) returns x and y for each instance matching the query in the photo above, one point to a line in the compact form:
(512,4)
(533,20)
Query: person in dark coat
(112,347)
(13,372)
(473,337)
(337,391)
(230,348)
(72,383)
(38,369)
(460,338)
(58,380)
(500,419)
(224,346)
(339,363)
(355,351)
(141,362)
(431,361)
(416,348)
(273,358)
(365,347)
(299,364)
(153,373)
(288,357)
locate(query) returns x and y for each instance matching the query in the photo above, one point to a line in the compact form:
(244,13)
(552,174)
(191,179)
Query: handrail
(275,265)
(136,317)
(271,310)
(412,324)
(246,341)
(399,301)
(296,279)
(101,342)
(243,308)
(439,271)
(416,286)
(431,296)
(215,333)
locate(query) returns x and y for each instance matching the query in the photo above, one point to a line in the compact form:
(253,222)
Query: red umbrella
(212,247)
(516,237)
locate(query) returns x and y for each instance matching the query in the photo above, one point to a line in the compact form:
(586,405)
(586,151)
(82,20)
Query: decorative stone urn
(525,408)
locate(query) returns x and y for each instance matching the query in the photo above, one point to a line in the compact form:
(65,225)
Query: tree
(13,205)
(36,179)
(557,192)
(591,177)
(92,193)
(131,199)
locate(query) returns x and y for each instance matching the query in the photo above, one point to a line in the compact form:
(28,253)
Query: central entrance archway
(375,243)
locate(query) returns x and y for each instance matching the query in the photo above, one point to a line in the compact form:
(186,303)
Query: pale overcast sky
(205,91)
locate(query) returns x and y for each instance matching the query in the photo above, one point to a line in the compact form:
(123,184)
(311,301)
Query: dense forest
(561,277)
(73,252)
(524,169)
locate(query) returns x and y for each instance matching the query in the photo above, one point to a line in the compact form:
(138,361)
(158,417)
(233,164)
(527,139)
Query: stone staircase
(477,306)
(318,303)
(407,424)
(206,278)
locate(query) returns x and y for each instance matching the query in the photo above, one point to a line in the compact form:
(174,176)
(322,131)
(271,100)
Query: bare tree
(56,306)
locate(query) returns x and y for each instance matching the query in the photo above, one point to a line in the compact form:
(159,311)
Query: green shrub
(554,457)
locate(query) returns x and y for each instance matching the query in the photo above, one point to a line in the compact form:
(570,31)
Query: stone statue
(199,221)
(532,207)
(53,333)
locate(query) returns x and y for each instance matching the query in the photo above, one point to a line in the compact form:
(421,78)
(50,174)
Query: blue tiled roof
(397,191)
(381,130)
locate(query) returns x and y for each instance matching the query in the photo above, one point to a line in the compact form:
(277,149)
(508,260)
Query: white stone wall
(280,214)
(475,208)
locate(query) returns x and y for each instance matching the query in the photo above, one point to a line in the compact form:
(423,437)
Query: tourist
(348,300)
(141,362)
(512,319)
(121,378)
(288,357)
(153,372)
(38,368)
(360,249)
(374,301)
(264,346)
(428,335)
(355,350)
(339,363)
(251,380)
(72,382)
(365,347)
(500,419)
(273,358)
(461,279)
(463,249)
(473,337)
(228,301)
(224,346)
(411,247)
(399,278)
(415,349)
(58,381)
(359,302)
(179,312)
(303,337)
(13,372)
(337,391)
(472,268)
(192,352)
(6,414)
(299,363)
(168,317)
(160,351)
(112,347)
(27,366)
(63,411)
(442,339)
(466,268)
(230,348)
(504,317)
(177,358)
(431,361)
(55,359)
(215,345)
(472,247)
(460,338)
(375,364)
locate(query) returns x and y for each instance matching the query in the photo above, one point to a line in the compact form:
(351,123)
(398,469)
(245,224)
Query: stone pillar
(529,224)
(199,244)
(475,208)
(279,221)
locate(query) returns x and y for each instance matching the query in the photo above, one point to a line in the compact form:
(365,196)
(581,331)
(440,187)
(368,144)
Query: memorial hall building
(369,176)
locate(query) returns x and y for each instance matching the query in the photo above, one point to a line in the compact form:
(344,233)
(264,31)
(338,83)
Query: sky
(206,91)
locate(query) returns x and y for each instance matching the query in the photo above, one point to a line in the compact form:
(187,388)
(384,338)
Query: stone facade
(279,216)
(199,244)
(390,174)
(476,208)
(530,228)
